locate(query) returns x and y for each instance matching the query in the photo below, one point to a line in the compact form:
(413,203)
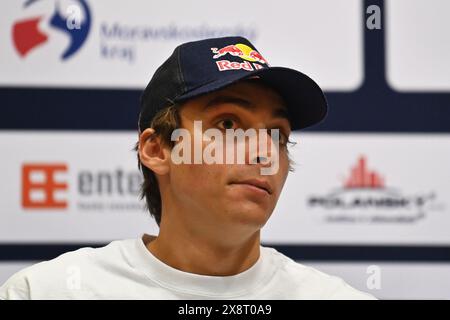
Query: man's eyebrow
(280,112)
(222,99)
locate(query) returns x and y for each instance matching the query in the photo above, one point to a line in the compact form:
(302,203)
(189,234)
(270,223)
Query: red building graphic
(361,177)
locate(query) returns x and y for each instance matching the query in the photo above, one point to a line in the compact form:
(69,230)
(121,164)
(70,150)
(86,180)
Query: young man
(210,208)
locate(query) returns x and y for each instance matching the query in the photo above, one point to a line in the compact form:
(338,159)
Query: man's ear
(152,152)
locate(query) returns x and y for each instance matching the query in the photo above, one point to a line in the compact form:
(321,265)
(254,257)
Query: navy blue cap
(200,67)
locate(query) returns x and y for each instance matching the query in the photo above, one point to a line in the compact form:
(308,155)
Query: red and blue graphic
(27,36)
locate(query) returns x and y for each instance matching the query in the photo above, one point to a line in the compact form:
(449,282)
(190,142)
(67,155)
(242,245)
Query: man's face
(231,195)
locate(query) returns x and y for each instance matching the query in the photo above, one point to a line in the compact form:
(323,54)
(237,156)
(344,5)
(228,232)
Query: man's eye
(283,139)
(227,124)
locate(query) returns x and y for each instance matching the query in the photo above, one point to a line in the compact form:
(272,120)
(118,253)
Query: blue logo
(28,37)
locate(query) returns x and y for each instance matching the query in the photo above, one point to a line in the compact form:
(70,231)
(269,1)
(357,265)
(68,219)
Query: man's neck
(199,255)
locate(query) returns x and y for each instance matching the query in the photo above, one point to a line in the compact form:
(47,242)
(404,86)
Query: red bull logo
(242,51)
(231,49)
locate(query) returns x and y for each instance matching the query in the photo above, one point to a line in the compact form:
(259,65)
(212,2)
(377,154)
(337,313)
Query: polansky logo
(74,21)
(365,197)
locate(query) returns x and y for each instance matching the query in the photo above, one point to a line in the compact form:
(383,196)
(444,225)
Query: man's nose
(260,159)
(262,155)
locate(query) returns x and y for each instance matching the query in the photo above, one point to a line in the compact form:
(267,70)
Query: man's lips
(260,184)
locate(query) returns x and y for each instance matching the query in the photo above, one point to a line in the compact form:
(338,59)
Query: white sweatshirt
(126,269)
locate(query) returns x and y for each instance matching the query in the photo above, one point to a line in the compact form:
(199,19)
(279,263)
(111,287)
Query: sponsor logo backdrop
(371,183)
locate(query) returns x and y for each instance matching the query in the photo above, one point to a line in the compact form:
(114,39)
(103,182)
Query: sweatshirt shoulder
(306,282)
(41,279)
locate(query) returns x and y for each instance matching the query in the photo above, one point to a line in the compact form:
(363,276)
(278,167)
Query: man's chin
(249,214)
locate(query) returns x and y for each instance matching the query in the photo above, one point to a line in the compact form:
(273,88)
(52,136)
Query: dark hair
(164,122)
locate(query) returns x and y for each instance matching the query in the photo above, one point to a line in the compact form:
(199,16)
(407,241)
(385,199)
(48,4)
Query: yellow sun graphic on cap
(246,50)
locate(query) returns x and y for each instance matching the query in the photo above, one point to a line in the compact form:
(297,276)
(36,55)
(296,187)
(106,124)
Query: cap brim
(304,99)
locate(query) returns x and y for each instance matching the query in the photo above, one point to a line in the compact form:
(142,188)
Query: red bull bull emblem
(253,59)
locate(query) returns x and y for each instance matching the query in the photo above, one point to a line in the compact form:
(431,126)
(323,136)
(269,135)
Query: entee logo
(103,190)
(47,186)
